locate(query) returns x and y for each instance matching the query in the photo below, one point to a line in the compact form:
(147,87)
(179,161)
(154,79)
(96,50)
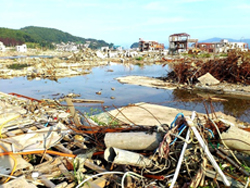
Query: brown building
(149,45)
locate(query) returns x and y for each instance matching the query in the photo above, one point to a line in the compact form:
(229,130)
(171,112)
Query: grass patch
(205,55)
(17,66)
(91,115)
(139,58)
(223,55)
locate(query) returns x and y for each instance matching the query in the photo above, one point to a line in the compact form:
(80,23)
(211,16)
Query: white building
(225,46)
(2,47)
(104,48)
(21,48)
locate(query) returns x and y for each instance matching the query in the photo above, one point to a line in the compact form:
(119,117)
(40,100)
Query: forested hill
(135,45)
(44,37)
(12,37)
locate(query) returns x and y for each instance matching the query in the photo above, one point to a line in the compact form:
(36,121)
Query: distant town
(178,43)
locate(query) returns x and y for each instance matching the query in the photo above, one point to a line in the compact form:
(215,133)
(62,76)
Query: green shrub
(139,58)
(205,55)
(109,122)
(17,66)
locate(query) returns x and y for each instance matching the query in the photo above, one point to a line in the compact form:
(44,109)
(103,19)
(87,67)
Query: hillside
(44,37)
(135,45)
(12,37)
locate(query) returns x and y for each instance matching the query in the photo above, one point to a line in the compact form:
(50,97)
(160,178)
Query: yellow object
(194,51)
(2,125)
(14,167)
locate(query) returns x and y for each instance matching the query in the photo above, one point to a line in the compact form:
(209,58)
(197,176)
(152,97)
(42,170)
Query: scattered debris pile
(75,63)
(46,144)
(44,68)
(233,69)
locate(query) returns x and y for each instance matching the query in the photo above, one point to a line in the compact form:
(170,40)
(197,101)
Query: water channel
(103,79)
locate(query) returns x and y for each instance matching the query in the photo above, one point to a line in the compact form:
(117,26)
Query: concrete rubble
(70,63)
(208,79)
(47,144)
(222,75)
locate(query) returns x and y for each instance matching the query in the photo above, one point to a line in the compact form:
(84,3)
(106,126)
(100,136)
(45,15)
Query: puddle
(103,79)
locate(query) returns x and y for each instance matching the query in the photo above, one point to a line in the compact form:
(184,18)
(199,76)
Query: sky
(123,22)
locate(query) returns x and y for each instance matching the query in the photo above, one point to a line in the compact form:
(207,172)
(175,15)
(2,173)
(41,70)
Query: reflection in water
(237,107)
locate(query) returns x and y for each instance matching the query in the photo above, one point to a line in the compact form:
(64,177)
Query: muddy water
(103,79)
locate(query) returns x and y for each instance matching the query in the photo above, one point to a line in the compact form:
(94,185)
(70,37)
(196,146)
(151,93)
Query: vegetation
(204,55)
(17,66)
(139,58)
(201,55)
(58,36)
(41,37)
(92,115)
(222,55)
(12,37)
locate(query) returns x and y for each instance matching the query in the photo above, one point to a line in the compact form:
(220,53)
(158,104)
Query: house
(86,45)
(104,48)
(21,48)
(179,42)
(2,47)
(206,46)
(117,47)
(149,45)
(223,46)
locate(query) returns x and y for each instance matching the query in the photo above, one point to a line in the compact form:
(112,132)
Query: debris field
(232,69)
(48,144)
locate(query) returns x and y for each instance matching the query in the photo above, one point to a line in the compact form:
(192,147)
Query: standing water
(103,79)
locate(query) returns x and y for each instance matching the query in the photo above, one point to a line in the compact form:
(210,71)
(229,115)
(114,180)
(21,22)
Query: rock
(98,92)
(73,95)
(208,79)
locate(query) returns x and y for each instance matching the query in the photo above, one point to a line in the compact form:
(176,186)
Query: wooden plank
(18,183)
(86,101)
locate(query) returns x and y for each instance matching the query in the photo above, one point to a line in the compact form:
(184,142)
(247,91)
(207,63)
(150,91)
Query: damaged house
(223,46)
(149,45)
(179,42)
